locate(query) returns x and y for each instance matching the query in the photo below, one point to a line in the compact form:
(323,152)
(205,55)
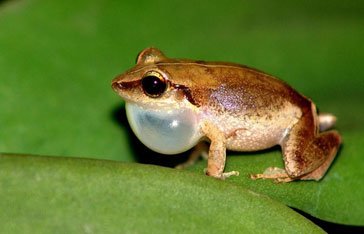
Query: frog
(173,105)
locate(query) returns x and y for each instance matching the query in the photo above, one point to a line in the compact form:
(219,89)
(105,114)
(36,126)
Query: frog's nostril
(117,86)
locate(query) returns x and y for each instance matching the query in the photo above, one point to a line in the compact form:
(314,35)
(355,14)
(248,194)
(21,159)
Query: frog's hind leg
(307,153)
(326,144)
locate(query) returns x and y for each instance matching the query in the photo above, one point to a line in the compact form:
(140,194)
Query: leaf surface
(49,194)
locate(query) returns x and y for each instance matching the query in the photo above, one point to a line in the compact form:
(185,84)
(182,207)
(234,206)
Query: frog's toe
(184,165)
(228,174)
(224,175)
(275,173)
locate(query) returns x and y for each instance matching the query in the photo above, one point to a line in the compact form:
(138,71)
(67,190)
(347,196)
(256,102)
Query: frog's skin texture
(233,107)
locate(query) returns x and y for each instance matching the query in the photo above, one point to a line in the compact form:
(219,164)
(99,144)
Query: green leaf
(57,59)
(50,195)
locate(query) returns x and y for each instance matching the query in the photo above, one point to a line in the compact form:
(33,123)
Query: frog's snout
(116,86)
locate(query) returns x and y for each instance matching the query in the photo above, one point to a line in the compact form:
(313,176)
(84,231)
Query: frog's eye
(154,84)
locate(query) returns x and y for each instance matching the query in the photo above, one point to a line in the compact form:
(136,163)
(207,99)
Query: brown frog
(173,104)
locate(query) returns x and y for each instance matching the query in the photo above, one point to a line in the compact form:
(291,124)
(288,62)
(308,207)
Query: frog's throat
(167,132)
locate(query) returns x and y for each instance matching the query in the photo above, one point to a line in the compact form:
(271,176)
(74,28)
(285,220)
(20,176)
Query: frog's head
(161,112)
(150,84)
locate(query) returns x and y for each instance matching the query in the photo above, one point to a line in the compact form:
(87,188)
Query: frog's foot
(184,165)
(200,149)
(228,174)
(275,173)
(224,175)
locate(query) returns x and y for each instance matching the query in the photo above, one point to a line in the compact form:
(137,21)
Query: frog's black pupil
(153,86)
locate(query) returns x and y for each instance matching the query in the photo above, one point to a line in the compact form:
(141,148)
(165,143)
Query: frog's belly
(251,132)
(255,138)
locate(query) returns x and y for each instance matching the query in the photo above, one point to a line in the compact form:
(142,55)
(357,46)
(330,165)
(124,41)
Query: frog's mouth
(164,131)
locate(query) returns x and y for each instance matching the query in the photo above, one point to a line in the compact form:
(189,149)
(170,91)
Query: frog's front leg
(199,150)
(217,152)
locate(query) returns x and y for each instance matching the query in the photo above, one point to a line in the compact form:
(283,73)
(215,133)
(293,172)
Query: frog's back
(252,90)
(233,87)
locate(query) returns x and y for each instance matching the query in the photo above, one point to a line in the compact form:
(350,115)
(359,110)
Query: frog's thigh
(307,153)
(327,143)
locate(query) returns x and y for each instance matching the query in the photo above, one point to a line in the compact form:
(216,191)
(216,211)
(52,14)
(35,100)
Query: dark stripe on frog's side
(187,93)
(136,83)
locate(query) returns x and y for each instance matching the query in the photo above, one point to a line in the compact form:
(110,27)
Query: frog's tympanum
(173,104)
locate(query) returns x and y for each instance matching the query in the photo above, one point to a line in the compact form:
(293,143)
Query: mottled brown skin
(263,110)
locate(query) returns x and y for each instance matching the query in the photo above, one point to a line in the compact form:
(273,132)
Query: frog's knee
(293,170)
(296,163)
